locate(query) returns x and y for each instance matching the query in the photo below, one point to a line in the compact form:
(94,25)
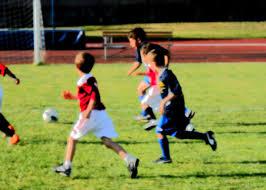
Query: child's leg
(182,134)
(115,147)
(131,161)
(147,111)
(164,145)
(8,130)
(70,151)
(142,87)
(4,126)
(207,137)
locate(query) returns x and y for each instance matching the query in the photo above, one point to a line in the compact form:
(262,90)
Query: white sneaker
(151,124)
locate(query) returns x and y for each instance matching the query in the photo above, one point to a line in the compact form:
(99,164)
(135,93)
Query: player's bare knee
(71,140)
(159,136)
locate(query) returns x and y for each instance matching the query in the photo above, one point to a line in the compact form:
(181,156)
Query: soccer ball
(50,115)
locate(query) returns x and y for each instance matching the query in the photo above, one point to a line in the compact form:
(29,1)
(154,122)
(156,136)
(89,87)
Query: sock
(149,111)
(129,158)
(190,135)
(67,164)
(164,144)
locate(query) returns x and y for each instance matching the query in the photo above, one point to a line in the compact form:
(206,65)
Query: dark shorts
(171,125)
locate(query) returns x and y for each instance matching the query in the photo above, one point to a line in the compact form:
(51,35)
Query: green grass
(228,99)
(205,30)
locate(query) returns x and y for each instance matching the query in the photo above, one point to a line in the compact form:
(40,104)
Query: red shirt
(152,75)
(2,69)
(88,90)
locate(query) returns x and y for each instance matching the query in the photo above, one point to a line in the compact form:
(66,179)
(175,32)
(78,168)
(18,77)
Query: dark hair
(138,33)
(147,47)
(86,62)
(158,57)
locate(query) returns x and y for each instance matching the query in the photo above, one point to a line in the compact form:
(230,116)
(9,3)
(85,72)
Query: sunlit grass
(228,99)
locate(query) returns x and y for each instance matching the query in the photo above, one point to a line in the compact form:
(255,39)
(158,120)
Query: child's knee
(159,136)
(71,140)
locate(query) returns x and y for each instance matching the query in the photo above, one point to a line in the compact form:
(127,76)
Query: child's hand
(67,95)
(17,81)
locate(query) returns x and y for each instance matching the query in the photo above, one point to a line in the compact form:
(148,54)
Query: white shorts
(152,98)
(99,123)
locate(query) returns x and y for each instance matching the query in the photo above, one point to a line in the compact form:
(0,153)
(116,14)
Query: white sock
(129,158)
(67,164)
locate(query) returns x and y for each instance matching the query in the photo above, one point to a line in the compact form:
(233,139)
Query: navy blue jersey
(169,84)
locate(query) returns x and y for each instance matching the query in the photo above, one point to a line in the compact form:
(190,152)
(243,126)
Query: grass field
(200,30)
(228,99)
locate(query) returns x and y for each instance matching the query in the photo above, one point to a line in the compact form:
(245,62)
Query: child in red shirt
(92,119)
(5,126)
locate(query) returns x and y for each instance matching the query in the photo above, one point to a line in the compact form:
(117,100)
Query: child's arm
(136,73)
(68,95)
(12,75)
(86,114)
(134,67)
(165,100)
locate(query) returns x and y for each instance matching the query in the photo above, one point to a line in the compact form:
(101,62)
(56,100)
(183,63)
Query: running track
(246,50)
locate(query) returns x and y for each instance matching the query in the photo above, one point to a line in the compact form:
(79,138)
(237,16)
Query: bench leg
(105,43)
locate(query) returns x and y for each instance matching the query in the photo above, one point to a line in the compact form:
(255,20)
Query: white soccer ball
(50,115)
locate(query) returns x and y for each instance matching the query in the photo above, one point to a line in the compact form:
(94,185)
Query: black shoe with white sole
(210,140)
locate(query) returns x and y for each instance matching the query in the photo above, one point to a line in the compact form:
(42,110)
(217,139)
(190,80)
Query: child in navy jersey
(92,119)
(173,121)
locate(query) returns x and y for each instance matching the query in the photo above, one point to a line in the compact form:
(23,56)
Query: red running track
(244,50)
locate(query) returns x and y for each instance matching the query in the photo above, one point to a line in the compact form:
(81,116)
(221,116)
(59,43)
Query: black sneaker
(162,160)
(210,140)
(62,170)
(133,168)
(150,125)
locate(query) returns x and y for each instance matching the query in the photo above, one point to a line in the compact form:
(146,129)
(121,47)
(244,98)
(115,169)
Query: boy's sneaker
(210,140)
(62,170)
(191,115)
(190,127)
(150,125)
(142,118)
(14,139)
(162,160)
(133,168)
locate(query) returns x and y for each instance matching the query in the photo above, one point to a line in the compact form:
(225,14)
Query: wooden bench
(108,38)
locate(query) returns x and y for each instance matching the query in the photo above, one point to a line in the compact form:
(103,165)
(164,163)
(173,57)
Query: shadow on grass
(251,124)
(43,141)
(229,175)
(232,162)
(142,142)
(241,132)
(169,176)
(239,162)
